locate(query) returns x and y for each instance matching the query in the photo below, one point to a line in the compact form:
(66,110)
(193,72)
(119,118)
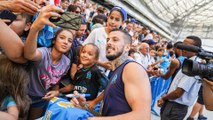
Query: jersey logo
(114,79)
(100,42)
(89,75)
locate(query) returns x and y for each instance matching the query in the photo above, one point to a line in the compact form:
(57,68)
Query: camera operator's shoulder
(209,82)
(207,93)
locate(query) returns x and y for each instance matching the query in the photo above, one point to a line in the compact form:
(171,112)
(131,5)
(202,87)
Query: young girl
(49,64)
(14,102)
(98,36)
(89,79)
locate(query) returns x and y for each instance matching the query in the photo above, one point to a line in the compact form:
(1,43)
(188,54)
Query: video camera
(193,68)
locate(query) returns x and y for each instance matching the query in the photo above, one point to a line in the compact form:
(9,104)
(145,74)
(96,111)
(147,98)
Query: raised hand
(51,94)
(21,6)
(44,15)
(79,101)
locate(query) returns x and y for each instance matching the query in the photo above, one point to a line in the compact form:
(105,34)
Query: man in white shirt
(183,90)
(143,57)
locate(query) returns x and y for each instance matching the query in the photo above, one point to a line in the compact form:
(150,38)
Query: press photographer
(193,68)
(204,70)
(183,90)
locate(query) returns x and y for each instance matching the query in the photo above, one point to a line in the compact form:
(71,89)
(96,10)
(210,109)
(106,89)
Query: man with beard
(128,94)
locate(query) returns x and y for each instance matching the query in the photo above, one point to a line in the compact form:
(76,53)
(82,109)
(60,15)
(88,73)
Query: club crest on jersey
(114,79)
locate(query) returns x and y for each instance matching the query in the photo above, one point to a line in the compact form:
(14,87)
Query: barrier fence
(159,87)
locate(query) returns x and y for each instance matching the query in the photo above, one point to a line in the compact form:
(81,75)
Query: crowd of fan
(56,64)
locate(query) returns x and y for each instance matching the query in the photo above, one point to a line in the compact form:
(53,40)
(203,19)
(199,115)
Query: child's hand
(80,66)
(78,102)
(51,95)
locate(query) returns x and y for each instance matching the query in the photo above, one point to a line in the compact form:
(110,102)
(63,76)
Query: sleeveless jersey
(114,98)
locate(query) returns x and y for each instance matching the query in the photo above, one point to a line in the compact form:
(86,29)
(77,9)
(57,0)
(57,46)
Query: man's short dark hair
(197,40)
(99,19)
(71,8)
(169,45)
(131,51)
(145,28)
(100,9)
(27,16)
(126,36)
(65,0)
(177,43)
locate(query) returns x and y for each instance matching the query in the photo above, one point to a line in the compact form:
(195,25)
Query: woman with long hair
(48,64)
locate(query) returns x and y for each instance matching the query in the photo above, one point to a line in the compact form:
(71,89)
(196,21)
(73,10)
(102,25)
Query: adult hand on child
(51,94)
(44,15)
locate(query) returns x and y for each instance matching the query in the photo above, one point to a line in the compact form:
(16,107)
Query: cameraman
(183,90)
(208,94)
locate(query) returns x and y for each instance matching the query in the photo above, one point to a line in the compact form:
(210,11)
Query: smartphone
(7,15)
(55,19)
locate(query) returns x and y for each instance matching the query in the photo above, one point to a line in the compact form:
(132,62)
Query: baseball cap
(133,21)
(151,42)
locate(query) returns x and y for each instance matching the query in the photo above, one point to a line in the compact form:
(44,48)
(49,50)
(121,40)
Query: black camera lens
(193,68)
